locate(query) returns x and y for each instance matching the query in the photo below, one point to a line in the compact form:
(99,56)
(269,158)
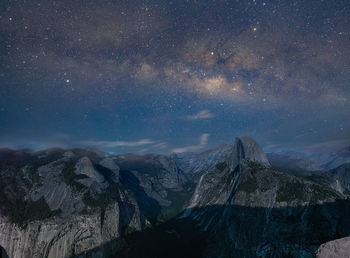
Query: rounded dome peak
(246,148)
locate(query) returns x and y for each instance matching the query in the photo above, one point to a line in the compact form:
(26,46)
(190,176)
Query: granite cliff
(226,202)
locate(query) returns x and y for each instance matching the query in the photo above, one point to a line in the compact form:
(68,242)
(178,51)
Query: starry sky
(171,76)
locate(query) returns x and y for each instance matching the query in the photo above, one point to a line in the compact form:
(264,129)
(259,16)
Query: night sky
(171,76)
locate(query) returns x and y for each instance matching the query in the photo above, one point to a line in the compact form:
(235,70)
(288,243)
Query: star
(236,57)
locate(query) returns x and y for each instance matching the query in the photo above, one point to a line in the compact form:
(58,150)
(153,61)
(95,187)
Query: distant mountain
(343,175)
(212,187)
(339,158)
(311,160)
(250,209)
(337,177)
(297,165)
(245,208)
(193,164)
(160,187)
(227,202)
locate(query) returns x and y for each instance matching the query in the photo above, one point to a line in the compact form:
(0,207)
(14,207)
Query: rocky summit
(226,202)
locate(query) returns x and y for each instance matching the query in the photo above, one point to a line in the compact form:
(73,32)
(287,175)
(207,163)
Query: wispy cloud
(203,140)
(161,145)
(154,148)
(113,144)
(203,114)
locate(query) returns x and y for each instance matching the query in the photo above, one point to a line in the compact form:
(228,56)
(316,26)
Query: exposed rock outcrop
(159,186)
(217,186)
(111,164)
(245,148)
(58,204)
(60,238)
(249,209)
(339,248)
(62,203)
(342,177)
(193,164)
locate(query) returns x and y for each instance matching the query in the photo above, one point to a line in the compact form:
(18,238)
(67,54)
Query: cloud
(113,144)
(203,140)
(113,46)
(160,145)
(203,114)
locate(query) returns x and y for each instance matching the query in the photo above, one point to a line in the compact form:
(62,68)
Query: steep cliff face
(62,203)
(341,176)
(245,148)
(193,164)
(249,209)
(217,185)
(161,189)
(60,237)
(338,179)
(270,214)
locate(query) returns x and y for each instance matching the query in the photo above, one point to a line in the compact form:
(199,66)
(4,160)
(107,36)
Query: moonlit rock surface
(79,217)
(194,164)
(85,167)
(339,248)
(111,165)
(60,238)
(249,209)
(245,148)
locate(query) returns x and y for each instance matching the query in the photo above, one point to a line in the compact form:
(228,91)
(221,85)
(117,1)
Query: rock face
(338,179)
(193,164)
(60,204)
(226,202)
(111,164)
(339,248)
(159,186)
(60,238)
(342,177)
(209,190)
(249,209)
(246,148)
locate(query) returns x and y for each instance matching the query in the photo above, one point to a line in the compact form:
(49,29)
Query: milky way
(163,76)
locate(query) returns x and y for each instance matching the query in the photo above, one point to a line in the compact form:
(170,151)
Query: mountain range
(232,201)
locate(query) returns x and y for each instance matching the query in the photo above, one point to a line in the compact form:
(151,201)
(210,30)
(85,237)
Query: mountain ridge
(57,198)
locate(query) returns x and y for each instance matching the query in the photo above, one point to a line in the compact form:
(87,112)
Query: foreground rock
(339,248)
